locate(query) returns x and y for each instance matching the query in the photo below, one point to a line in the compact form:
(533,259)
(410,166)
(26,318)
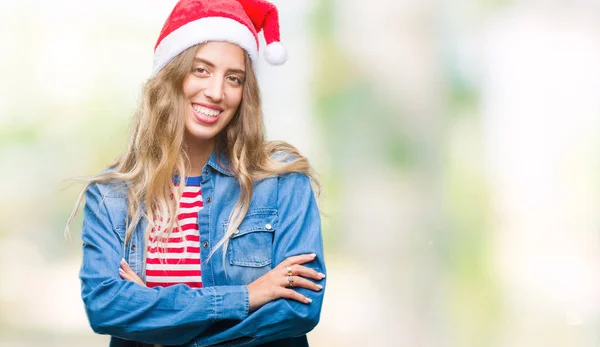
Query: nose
(215,89)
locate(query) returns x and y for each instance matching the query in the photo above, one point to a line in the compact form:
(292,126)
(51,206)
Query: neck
(198,153)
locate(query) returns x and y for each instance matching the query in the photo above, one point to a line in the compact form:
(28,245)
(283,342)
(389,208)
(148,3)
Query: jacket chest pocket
(252,244)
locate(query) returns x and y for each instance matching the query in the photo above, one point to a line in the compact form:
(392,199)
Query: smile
(206,111)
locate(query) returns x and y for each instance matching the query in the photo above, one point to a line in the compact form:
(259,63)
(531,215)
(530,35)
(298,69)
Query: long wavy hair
(156,152)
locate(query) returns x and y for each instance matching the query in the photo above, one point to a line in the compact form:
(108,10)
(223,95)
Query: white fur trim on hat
(203,30)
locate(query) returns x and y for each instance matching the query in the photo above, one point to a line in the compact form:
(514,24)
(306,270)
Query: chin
(207,131)
(199,135)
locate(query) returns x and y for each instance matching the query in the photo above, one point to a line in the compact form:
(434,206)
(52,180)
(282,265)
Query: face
(213,90)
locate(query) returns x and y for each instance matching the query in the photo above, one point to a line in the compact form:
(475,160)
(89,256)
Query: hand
(272,285)
(127,274)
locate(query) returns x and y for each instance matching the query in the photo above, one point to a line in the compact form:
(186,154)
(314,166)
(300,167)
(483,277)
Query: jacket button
(205,244)
(208,199)
(133,248)
(268,226)
(206,171)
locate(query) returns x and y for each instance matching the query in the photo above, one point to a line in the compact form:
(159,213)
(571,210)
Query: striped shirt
(181,262)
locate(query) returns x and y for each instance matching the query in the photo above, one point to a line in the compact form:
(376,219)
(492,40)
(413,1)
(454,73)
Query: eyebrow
(204,61)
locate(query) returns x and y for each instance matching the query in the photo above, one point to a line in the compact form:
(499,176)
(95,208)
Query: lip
(212,107)
(204,119)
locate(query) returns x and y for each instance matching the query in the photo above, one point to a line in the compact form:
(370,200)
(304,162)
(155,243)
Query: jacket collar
(220,162)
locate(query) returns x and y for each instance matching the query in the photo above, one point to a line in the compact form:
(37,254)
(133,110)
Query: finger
(294,295)
(124,275)
(298,259)
(299,270)
(303,283)
(125,266)
(137,279)
(129,273)
(128,270)
(131,278)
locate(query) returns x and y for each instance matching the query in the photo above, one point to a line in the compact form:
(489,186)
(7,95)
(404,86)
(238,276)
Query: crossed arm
(264,310)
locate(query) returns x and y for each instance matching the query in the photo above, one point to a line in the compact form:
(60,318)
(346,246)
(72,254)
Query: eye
(200,71)
(238,81)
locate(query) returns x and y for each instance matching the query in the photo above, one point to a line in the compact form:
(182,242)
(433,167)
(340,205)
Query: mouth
(207,114)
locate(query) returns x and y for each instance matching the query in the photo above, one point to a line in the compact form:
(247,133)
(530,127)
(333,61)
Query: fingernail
(320,286)
(313,255)
(121,270)
(123,261)
(322,275)
(308,300)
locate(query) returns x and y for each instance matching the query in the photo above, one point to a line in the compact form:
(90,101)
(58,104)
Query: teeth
(206,111)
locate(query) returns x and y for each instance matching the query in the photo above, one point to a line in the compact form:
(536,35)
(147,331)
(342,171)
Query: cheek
(186,86)
(235,99)
(191,86)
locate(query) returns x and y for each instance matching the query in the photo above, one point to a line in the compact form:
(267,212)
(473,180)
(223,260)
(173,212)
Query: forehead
(222,54)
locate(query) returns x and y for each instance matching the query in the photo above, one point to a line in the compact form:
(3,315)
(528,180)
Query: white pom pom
(275,53)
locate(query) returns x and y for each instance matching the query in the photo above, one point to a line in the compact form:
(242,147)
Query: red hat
(237,21)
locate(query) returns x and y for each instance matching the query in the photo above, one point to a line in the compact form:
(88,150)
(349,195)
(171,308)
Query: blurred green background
(457,144)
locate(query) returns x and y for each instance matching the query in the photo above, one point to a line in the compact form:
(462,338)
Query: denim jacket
(283,220)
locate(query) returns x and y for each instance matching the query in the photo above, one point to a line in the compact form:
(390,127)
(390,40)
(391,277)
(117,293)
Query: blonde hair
(156,153)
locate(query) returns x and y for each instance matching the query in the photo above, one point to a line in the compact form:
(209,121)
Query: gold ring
(290,281)
(289,271)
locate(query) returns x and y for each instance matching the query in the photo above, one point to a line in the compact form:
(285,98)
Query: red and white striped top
(181,262)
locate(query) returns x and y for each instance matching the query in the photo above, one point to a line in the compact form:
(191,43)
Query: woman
(232,253)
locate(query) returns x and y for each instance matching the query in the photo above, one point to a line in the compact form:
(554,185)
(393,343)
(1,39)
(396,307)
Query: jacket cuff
(231,302)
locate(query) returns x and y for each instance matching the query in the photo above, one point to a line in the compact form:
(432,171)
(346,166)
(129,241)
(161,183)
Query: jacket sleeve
(298,232)
(170,316)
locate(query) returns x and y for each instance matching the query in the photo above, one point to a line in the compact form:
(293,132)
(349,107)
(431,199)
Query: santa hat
(237,21)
